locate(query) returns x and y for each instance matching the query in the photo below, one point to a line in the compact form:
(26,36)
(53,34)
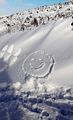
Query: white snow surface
(36,64)
(55,37)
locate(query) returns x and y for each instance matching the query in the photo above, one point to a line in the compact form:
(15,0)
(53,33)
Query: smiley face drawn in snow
(38,64)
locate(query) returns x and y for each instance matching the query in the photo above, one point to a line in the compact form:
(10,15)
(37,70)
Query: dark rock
(45,114)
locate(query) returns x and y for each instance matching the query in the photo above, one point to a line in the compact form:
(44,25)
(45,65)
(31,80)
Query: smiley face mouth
(36,64)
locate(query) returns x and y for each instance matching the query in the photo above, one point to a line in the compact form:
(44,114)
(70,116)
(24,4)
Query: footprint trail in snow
(8,56)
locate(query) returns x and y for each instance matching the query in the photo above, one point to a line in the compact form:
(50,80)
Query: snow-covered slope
(36,69)
(43,14)
(42,38)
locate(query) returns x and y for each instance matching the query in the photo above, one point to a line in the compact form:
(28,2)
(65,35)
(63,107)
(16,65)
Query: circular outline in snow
(37,64)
